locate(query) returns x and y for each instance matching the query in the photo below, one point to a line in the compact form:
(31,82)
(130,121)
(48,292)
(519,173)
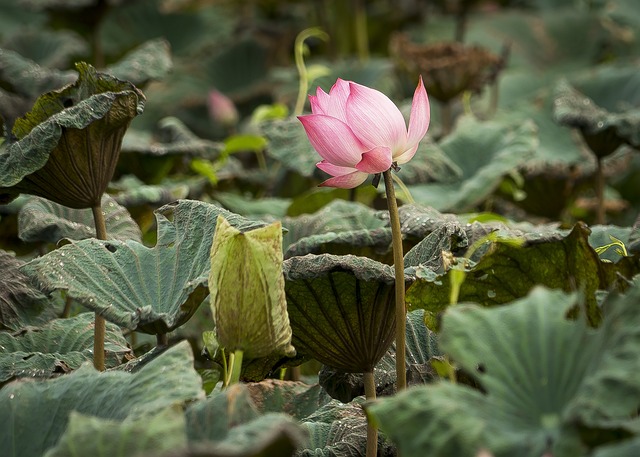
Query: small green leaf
(238,143)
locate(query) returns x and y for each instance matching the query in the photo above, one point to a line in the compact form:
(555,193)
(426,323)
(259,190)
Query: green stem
(66,312)
(299,49)
(398,264)
(99,322)
(235,367)
(372,430)
(405,190)
(362,35)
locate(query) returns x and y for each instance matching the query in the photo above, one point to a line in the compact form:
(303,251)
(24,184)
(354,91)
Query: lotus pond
(329,228)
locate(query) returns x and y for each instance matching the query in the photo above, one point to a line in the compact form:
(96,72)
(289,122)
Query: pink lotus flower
(358,131)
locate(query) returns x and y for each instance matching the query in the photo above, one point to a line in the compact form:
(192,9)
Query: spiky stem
(398,264)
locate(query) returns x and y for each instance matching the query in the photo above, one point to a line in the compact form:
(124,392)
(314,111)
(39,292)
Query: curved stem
(372,430)
(398,264)
(100,324)
(299,51)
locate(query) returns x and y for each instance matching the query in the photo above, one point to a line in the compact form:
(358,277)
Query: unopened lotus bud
(247,291)
(221,109)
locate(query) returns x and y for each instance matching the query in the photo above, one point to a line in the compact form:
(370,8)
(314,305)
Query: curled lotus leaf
(341,309)
(68,145)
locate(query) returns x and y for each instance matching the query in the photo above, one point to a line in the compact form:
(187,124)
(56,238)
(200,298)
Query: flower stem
(398,264)
(100,324)
(372,430)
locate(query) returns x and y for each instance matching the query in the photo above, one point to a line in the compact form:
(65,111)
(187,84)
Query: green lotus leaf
(21,75)
(29,407)
(336,217)
(48,48)
(506,272)
(485,152)
(152,290)
(341,309)
(68,145)
(131,191)
(132,23)
(275,207)
(537,398)
(288,143)
(603,130)
(213,418)
(230,423)
(627,448)
(21,303)
(88,435)
(149,61)
(21,82)
(430,164)
(43,220)
(247,290)
(61,345)
(375,244)
(172,137)
(340,430)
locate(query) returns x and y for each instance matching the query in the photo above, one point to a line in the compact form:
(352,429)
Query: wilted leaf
(153,290)
(27,407)
(43,220)
(59,346)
